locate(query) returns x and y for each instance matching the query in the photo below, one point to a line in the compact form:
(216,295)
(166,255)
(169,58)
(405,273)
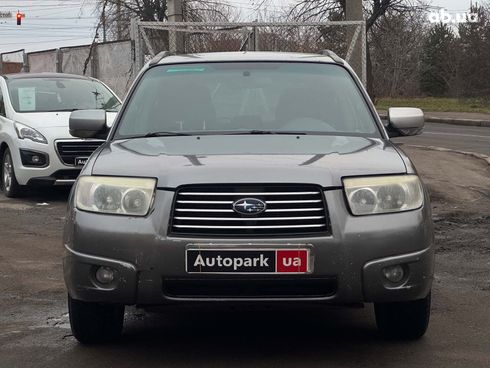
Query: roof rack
(156,59)
(332,55)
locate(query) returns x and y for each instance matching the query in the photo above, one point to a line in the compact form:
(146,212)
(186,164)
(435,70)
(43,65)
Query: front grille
(250,288)
(69,150)
(291,210)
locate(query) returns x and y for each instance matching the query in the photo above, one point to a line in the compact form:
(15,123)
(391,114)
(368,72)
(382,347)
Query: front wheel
(404,320)
(93,323)
(10,186)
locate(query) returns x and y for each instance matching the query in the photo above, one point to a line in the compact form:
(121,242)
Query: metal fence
(111,62)
(116,63)
(12,62)
(346,38)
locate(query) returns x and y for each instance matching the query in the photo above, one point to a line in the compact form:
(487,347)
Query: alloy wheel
(7,172)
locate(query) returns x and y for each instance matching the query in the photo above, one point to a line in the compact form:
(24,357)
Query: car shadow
(35,195)
(245,336)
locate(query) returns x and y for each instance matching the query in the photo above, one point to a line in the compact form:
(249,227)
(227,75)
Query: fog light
(34,158)
(104,275)
(394,274)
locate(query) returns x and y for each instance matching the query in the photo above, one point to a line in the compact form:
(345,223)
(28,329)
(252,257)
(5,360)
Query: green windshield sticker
(185,70)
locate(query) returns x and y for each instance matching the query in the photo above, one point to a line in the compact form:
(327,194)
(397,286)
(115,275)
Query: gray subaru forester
(248,177)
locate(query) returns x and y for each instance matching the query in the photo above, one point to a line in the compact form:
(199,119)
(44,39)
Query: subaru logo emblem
(249,206)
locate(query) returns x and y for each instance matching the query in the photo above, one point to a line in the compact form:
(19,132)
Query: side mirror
(88,124)
(404,121)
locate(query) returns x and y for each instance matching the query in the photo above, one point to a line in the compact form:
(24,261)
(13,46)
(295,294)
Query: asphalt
(458,137)
(464,118)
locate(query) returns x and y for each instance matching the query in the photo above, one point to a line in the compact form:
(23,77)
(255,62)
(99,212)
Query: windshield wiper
(155,134)
(257,131)
(58,110)
(174,134)
(165,134)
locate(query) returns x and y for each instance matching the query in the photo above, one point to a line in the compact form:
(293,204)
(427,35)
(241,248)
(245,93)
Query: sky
(51,24)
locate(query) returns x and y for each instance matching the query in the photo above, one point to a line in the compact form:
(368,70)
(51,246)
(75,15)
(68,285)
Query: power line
(51,18)
(48,35)
(35,27)
(37,42)
(51,3)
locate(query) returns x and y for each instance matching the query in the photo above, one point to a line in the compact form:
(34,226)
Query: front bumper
(58,178)
(348,263)
(54,172)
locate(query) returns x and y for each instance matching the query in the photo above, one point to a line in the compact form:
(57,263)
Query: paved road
(464,138)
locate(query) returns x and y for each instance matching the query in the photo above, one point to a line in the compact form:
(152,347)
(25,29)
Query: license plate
(247,261)
(80,161)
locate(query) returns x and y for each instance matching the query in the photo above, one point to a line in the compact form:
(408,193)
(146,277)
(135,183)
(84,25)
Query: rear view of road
(457,137)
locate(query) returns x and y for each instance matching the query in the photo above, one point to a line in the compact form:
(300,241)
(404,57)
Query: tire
(403,320)
(93,323)
(10,186)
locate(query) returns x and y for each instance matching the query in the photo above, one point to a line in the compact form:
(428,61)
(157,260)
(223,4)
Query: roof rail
(156,59)
(332,55)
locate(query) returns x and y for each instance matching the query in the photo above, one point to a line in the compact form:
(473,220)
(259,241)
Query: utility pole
(119,20)
(175,14)
(353,11)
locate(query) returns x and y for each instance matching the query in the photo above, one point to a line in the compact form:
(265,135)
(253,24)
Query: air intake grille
(69,150)
(208,210)
(250,288)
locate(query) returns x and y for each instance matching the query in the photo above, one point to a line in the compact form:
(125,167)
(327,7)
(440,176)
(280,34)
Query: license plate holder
(80,161)
(249,261)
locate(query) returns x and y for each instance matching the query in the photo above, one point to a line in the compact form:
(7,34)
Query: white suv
(36,147)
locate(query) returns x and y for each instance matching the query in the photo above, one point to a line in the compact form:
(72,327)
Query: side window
(2,104)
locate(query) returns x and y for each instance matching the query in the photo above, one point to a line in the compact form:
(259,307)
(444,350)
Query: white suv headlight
(382,194)
(116,195)
(26,132)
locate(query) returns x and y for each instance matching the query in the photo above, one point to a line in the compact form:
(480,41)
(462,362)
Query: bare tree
(397,47)
(374,10)
(115,15)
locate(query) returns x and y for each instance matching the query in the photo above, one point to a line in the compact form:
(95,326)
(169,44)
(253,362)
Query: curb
(466,122)
(442,149)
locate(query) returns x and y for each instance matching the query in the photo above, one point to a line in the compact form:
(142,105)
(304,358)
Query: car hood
(42,120)
(314,159)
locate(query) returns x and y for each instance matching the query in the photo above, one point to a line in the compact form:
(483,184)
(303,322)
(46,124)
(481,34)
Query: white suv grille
(69,150)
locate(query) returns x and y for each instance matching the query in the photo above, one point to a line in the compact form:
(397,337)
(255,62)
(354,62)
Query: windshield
(60,94)
(245,97)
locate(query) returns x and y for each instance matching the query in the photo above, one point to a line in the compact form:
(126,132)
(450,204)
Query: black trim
(325,189)
(287,287)
(168,189)
(25,156)
(45,181)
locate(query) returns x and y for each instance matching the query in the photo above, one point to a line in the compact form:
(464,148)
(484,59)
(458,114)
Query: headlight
(117,195)
(381,194)
(26,132)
